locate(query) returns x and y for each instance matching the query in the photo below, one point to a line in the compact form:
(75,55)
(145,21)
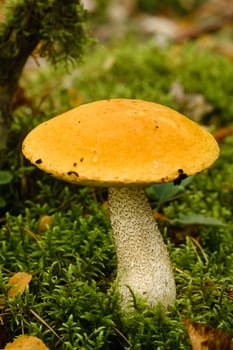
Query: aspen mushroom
(126,144)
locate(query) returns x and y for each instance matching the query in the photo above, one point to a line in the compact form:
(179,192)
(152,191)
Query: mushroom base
(143,262)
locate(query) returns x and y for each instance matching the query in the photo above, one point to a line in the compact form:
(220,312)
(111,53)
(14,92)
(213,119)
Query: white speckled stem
(142,257)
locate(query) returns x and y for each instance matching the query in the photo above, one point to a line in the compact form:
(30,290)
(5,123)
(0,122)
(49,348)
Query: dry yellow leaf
(203,337)
(18,282)
(44,222)
(221,133)
(26,342)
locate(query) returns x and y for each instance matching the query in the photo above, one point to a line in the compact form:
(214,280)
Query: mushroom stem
(143,262)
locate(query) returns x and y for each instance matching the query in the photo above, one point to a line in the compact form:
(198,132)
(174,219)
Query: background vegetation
(69,303)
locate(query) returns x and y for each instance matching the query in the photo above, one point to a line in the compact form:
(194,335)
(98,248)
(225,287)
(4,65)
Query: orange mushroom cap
(120,142)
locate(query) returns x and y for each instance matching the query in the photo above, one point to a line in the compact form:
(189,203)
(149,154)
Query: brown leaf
(203,337)
(220,134)
(26,342)
(44,222)
(21,99)
(159,216)
(18,283)
(209,18)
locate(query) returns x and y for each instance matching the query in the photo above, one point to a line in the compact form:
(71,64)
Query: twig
(195,242)
(45,324)
(122,335)
(32,234)
(182,272)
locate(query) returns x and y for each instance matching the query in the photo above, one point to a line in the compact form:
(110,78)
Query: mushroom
(126,144)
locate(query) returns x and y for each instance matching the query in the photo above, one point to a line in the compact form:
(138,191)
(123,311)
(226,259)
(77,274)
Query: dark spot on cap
(38,161)
(180,177)
(164,179)
(81,159)
(73,173)
(156,124)
(74,164)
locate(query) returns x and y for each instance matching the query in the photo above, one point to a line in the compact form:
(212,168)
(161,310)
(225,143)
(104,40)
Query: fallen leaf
(209,18)
(159,216)
(220,134)
(26,342)
(18,283)
(203,337)
(21,99)
(44,222)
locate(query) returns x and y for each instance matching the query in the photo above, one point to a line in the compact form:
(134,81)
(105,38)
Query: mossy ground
(68,303)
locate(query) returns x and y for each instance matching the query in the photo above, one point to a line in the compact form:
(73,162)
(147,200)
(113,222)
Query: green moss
(134,70)
(73,266)
(69,303)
